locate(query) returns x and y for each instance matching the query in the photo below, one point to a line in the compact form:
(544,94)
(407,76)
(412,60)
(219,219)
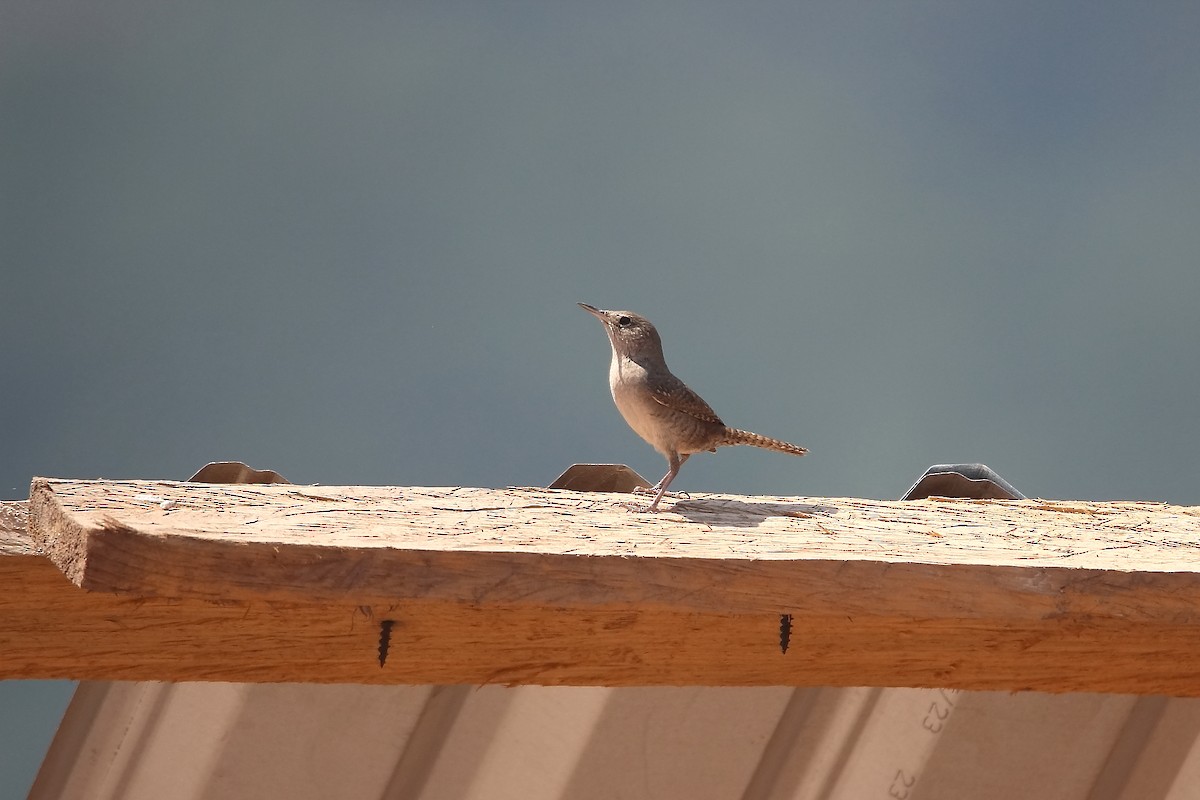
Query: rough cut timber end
(57,535)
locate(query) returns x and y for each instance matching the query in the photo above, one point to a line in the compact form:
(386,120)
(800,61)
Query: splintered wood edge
(14,529)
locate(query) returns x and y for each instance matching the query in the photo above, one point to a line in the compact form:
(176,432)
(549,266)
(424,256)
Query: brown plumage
(735,436)
(661,408)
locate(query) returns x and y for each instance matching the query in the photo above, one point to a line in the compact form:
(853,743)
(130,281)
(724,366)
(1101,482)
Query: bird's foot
(654,490)
(640,508)
(652,507)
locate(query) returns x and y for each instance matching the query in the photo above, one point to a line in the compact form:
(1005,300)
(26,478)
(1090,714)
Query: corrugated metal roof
(193,741)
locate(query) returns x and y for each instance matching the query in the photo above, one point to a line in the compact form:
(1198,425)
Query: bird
(660,407)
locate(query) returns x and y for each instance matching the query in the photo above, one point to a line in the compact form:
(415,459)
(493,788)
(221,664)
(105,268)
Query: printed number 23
(934,719)
(901,785)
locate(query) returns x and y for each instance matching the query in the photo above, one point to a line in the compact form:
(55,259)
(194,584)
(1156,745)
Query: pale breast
(667,431)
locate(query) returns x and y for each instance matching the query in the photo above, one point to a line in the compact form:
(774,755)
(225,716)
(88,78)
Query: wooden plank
(288,583)
(723,553)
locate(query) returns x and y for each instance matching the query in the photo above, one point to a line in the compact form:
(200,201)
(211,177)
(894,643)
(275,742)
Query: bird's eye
(624,321)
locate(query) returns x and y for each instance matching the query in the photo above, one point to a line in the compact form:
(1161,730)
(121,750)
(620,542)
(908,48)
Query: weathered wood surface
(195,581)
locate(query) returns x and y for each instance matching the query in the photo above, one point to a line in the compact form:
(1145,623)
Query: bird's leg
(676,461)
(654,489)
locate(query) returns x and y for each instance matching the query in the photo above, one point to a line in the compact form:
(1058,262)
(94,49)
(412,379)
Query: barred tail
(734,436)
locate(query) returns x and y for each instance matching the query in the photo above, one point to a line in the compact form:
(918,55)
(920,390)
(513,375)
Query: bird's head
(630,334)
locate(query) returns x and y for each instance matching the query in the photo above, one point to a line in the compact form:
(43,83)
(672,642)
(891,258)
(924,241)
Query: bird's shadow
(739,514)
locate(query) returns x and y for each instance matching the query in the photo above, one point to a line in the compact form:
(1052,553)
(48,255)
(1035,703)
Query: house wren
(658,406)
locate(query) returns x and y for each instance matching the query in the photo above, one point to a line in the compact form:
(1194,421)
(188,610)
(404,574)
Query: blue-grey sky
(345,241)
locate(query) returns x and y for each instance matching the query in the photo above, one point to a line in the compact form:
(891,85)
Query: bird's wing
(676,396)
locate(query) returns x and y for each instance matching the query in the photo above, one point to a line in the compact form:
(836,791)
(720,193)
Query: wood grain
(290,583)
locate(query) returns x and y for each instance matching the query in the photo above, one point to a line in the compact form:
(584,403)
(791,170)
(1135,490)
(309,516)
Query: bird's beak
(595,312)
